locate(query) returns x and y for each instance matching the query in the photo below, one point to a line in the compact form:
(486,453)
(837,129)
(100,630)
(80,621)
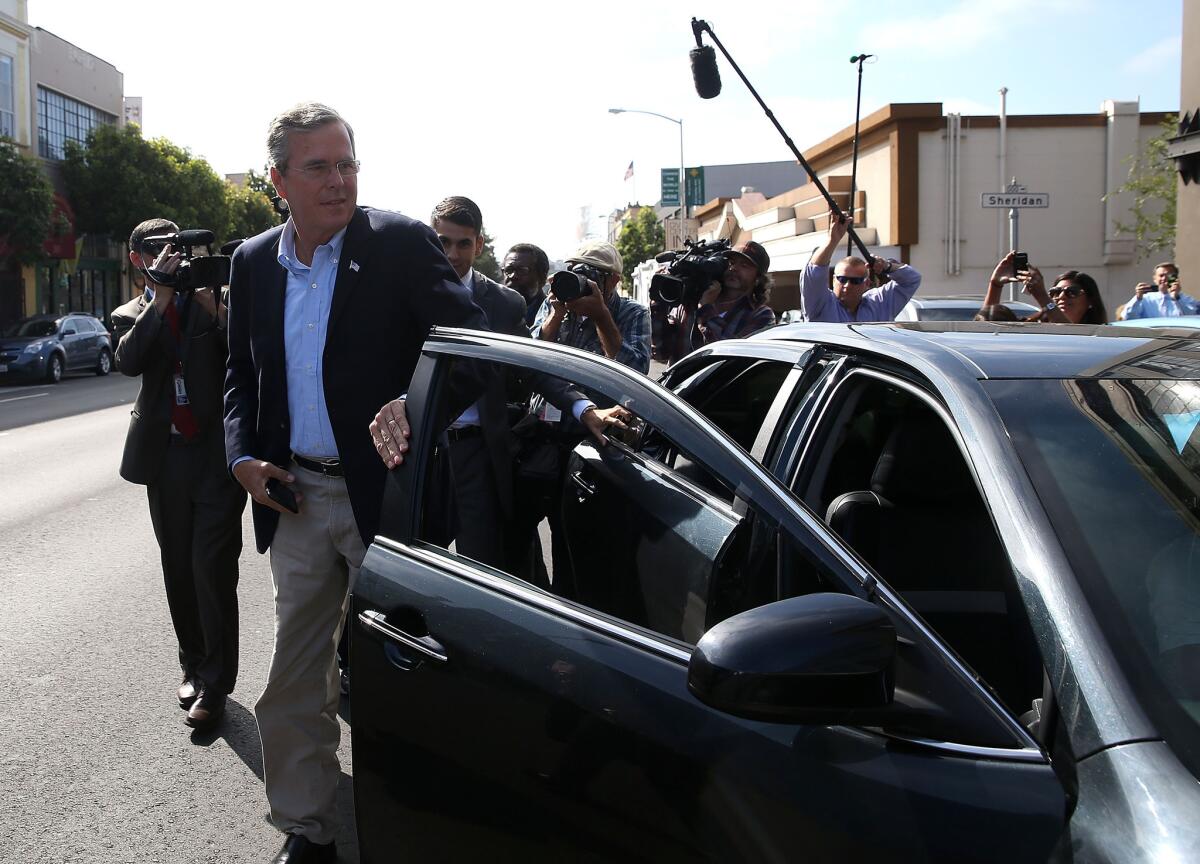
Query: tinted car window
(32,327)
(735,394)
(647,536)
(1116,464)
(889,478)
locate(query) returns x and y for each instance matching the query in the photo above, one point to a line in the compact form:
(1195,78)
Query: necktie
(181,414)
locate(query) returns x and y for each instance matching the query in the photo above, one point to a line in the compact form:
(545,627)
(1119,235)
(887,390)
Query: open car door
(495,718)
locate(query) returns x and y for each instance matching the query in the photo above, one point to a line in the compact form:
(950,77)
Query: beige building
(70,92)
(52,92)
(15,109)
(921,176)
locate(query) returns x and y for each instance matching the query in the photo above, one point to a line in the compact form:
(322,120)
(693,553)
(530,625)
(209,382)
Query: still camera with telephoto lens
(572,283)
(690,272)
(194,271)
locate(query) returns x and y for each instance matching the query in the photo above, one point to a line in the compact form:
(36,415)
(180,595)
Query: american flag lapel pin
(354,266)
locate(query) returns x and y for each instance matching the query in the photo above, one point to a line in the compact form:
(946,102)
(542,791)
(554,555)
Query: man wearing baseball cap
(730,309)
(601,321)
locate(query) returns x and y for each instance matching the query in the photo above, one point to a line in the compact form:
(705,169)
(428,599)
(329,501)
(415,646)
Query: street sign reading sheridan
(1010,200)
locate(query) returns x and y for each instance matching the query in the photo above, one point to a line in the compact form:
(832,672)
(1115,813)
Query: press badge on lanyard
(180,390)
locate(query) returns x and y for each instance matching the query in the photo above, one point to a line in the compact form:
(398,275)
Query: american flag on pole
(629,171)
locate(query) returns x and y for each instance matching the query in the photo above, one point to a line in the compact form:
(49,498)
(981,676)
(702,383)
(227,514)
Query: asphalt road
(95,762)
(26,404)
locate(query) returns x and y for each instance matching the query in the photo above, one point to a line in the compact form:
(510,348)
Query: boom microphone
(708,85)
(705,72)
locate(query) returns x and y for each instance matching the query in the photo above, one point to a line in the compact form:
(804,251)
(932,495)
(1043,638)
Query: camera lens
(568,285)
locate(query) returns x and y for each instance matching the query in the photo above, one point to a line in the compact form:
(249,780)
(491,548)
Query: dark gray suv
(48,346)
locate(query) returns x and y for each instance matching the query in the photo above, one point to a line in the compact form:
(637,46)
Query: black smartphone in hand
(1020,263)
(282,495)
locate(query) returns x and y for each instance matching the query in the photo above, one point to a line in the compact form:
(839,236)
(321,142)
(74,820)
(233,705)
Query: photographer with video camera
(173,337)
(710,292)
(853,299)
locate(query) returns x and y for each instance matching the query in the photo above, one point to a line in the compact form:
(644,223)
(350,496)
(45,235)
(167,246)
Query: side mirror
(820,658)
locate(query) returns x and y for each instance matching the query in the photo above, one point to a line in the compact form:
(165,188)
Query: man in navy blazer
(327,315)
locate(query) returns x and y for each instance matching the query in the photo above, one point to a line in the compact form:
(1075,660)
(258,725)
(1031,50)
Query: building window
(62,119)
(8,98)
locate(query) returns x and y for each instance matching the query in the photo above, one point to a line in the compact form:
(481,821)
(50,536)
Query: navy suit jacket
(382,310)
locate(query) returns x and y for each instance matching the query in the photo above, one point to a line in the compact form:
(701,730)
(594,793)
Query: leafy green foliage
(250,212)
(119,179)
(641,238)
(27,205)
(486,262)
(1153,184)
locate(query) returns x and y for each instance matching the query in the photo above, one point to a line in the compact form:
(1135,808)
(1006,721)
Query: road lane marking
(30,396)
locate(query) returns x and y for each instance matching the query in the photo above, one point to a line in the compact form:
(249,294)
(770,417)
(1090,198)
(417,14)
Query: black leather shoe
(298,849)
(206,711)
(187,692)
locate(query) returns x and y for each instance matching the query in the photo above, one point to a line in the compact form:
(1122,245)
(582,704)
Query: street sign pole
(1014,233)
(1014,198)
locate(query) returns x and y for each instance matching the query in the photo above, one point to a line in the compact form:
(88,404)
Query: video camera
(690,272)
(194,271)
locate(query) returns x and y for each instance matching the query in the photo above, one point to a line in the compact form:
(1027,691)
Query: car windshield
(32,327)
(1116,464)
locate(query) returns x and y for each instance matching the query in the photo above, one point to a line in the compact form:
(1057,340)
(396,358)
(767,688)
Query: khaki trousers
(315,556)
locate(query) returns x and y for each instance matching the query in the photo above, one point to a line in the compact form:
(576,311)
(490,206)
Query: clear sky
(506,102)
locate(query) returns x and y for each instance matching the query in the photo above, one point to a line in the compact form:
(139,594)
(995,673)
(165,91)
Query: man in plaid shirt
(602,322)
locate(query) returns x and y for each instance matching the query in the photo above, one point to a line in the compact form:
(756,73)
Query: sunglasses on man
(851,280)
(1069,290)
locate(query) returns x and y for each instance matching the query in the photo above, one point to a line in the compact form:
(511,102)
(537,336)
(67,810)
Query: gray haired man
(311,303)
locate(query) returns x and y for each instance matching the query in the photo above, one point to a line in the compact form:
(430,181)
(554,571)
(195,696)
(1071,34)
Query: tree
(261,182)
(250,212)
(118,179)
(485,263)
(27,205)
(112,180)
(641,238)
(194,194)
(1152,182)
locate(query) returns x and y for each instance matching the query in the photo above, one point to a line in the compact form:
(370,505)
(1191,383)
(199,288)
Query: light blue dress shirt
(305,326)
(1155,304)
(818,303)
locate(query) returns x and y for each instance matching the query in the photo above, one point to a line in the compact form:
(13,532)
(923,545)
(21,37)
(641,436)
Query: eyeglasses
(347,168)
(1069,290)
(853,280)
(519,270)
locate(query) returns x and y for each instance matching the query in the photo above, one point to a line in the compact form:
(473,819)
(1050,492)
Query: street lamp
(682,178)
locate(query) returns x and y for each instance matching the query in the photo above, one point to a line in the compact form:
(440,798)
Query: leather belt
(463,432)
(328,467)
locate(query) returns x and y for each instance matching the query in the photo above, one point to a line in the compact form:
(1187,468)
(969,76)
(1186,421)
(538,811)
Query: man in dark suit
(327,315)
(479,443)
(176,342)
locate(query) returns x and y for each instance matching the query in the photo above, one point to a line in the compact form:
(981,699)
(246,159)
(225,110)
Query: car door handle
(585,488)
(425,645)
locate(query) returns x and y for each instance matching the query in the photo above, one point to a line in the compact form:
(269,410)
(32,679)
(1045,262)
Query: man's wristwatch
(1050,307)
